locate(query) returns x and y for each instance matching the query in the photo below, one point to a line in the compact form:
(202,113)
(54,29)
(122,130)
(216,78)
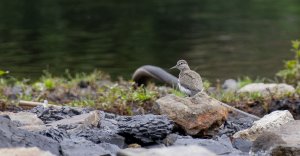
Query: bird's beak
(174,67)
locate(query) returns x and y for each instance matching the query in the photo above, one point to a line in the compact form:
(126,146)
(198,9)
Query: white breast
(184,90)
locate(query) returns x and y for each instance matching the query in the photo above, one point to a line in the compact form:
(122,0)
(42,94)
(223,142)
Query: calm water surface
(220,39)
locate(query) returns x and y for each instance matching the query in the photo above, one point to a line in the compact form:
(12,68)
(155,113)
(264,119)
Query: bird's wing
(193,77)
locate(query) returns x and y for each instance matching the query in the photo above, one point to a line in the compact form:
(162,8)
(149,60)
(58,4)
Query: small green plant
(291,72)
(2,72)
(177,93)
(49,84)
(243,81)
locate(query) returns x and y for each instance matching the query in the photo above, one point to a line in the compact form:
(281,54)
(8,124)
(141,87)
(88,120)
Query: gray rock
(290,132)
(97,136)
(24,118)
(265,142)
(107,132)
(212,145)
(269,122)
(230,85)
(113,149)
(268,90)
(83,147)
(55,134)
(281,141)
(11,136)
(191,150)
(243,145)
(78,121)
(51,114)
(197,115)
(144,129)
(21,151)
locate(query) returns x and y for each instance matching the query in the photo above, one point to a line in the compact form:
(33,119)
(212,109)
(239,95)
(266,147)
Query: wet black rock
(107,132)
(97,136)
(144,129)
(50,114)
(286,104)
(234,124)
(55,134)
(11,136)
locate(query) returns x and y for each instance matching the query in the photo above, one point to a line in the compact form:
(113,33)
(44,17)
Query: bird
(189,81)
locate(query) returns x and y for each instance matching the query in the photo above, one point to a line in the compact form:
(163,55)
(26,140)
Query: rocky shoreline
(95,116)
(67,131)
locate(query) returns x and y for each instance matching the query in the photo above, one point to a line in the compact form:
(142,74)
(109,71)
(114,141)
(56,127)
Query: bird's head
(181,65)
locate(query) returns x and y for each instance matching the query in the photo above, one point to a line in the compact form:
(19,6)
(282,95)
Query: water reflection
(220,39)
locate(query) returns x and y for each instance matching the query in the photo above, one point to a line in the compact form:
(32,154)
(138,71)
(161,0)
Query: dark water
(220,39)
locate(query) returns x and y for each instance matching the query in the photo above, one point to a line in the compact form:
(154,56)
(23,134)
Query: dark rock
(285,150)
(243,145)
(107,132)
(234,124)
(97,136)
(113,149)
(50,114)
(11,136)
(5,116)
(286,104)
(170,139)
(55,134)
(144,129)
(266,141)
(83,147)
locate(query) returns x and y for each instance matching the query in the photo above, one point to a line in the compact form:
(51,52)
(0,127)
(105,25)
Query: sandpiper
(189,81)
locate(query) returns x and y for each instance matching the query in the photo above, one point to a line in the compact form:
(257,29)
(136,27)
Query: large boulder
(269,122)
(191,150)
(196,115)
(281,141)
(268,90)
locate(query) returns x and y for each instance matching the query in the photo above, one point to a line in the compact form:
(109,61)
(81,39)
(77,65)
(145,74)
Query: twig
(24,103)
(239,111)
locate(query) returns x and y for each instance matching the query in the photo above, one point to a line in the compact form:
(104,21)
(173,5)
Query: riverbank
(94,111)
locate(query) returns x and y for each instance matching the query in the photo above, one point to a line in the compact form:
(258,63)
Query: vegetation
(291,72)
(84,90)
